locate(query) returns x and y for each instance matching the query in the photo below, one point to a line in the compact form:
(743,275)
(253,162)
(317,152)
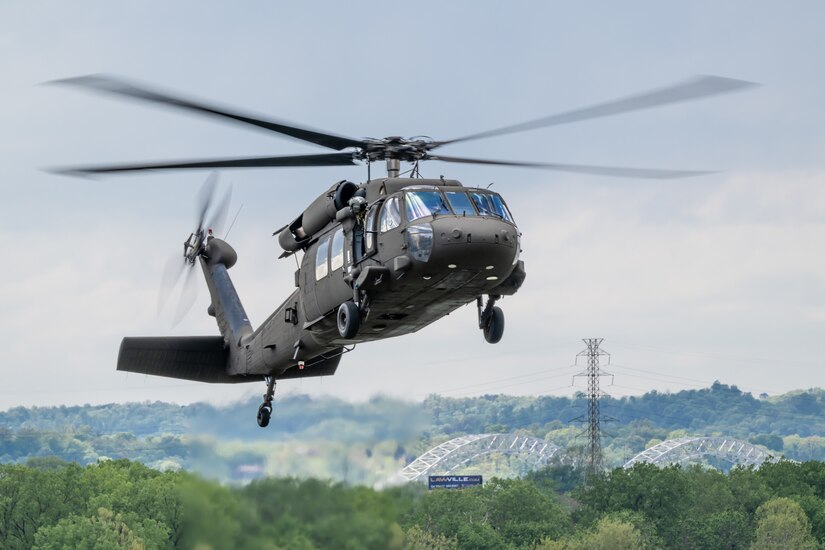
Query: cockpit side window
(501,208)
(321,258)
(490,204)
(390,215)
(483,203)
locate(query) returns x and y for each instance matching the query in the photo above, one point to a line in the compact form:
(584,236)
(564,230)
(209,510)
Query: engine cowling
(316,216)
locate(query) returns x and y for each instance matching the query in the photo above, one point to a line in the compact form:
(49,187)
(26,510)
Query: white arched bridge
(461,451)
(693,449)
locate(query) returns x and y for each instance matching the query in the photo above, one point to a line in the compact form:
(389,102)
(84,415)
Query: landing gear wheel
(494,329)
(349,320)
(264,414)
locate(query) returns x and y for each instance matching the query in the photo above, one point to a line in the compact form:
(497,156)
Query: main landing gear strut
(265,410)
(490,319)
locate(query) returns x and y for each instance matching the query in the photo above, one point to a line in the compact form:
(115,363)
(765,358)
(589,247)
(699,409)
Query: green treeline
(368,442)
(50,504)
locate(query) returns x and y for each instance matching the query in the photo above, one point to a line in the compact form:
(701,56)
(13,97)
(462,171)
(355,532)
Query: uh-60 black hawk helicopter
(382,258)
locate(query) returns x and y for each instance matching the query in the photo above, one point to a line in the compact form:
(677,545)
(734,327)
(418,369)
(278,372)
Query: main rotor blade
(329,159)
(112,85)
(613,171)
(695,88)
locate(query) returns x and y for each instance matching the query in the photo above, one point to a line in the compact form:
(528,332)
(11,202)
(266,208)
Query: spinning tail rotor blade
(188,295)
(695,88)
(171,273)
(112,85)
(205,196)
(614,171)
(220,212)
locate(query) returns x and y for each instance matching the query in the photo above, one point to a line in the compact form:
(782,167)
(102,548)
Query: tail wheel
(349,320)
(264,414)
(494,329)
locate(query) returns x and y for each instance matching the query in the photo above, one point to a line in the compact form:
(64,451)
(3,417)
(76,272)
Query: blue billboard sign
(454,482)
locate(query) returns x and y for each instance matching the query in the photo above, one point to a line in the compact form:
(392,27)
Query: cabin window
(461,203)
(390,215)
(321,258)
(336,261)
(425,203)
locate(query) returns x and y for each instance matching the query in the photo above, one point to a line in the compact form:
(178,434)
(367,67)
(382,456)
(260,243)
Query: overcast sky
(688,281)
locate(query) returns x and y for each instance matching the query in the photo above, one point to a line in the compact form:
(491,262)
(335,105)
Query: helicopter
(380,259)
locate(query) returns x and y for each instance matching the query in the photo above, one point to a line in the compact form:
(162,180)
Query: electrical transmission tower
(594,418)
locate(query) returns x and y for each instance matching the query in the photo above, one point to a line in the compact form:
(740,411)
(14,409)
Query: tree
(31,498)
(782,524)
(105,531)
(214,516)
(523,514)
(815,510)
(556,477)
(458,513)
(661,494)
(771,441)
(415,538)
(611,534)
(727,530)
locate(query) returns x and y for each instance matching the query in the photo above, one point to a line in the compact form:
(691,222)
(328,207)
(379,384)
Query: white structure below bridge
(461,451)
(694,449)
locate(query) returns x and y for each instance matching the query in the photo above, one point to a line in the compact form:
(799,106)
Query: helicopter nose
(476,244)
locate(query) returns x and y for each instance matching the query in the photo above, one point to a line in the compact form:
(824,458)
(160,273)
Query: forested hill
(362,442)
(719,409)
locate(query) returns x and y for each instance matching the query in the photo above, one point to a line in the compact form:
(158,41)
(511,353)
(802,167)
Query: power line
(727,357)
(540,374)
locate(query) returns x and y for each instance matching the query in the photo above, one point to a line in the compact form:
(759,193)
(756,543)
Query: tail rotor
(210,216)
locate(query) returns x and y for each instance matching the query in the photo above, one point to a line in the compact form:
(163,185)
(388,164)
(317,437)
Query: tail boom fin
(197,358)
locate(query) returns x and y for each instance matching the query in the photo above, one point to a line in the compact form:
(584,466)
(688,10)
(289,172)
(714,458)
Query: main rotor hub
(193,246)
(395,148)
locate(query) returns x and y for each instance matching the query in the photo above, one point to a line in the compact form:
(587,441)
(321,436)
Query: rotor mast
(393,167)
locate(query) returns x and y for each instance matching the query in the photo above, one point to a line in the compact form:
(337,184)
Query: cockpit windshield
(425,203)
